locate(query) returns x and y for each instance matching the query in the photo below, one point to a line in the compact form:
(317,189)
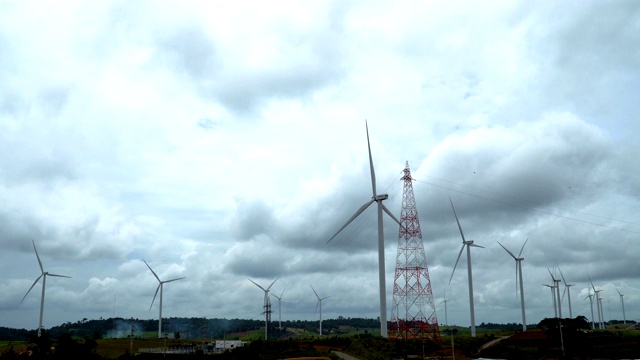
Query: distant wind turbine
(378,198)
(553,298)
(43,275)
(468,245)
(567,289)
(518,260)
(556,283)
(598,304)
(279,309)
(319,303)
(267,306)
(160,286)
(590,296)
(446,321)
(624,316)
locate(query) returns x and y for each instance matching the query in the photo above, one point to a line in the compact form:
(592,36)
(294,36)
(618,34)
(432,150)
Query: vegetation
(552,339)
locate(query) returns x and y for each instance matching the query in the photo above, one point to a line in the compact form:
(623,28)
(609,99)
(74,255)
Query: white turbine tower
(446,320)
(553,298)
(279,309)
(43,275)
(556,285)
(598,304)
(624,316)
(468,245)
(160,286)
(267,307)
(518,260)
(590,296)
(319,303)
(378,198)
(567,289)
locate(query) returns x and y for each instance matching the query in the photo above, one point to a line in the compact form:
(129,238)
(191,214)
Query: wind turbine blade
(564,292)
(456,215)
(474,245)
(563,280)
(318,303)
(390,214)
(458,259)
(153,272)
(38,256)
(314,291)
(273,282)
(373,173)
(174,279)
(56,275)
(525,243)
(618,292)
(34,284)
(594,288)
(362,208)
(326,297)
(257,285)
(154,296)
(507,250)
(516,276)
(553,277)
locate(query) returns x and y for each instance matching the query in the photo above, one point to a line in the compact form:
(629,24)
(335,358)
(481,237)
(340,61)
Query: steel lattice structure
(413,315)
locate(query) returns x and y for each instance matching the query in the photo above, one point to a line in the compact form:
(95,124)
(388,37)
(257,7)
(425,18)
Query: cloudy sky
(221,142)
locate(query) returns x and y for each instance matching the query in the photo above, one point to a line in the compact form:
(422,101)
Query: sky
(226,141)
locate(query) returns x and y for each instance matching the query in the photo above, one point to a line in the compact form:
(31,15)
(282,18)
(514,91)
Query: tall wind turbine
(319,303)
(556,283)
(598,304)
(624,316)
(160,286)
(590,296)
(553,298)
(468,245)
(43,275)
(279,309)
(567,289)
(267,306)
(518,260)
(378,198)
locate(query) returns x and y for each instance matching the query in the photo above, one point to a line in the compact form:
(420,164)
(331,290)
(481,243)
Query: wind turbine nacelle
(381,197)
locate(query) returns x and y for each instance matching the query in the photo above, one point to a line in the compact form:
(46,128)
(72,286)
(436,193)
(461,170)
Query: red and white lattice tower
(413,315)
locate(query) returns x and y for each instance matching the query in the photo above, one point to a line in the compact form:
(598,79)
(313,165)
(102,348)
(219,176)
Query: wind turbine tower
(279,310)
(590,296)
(567,288)
(518,260)
(446,320)
(624,316)
(598,304)
(553,298)
(413,315)
(556,285)
(468,245)
(267,307)
(319,303)
(377,198)
(160,286)
(43,275)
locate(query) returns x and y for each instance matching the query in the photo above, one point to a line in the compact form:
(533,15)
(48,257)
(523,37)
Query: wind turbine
(43,275)
(446,321)
(160,286)
(598,304)
(556,283)
(279,310)
(319,303)
(553,297)
(468,245)
(518,260)
(567,289)
(590,296)
(267,306)
(624,316)
(378,198)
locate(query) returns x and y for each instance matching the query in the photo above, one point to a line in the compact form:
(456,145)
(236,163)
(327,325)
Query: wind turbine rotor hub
(381,197)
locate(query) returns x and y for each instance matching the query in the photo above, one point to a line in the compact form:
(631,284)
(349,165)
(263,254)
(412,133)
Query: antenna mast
(413,315)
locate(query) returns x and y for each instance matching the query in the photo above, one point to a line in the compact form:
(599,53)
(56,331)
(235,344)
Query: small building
(222,345)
